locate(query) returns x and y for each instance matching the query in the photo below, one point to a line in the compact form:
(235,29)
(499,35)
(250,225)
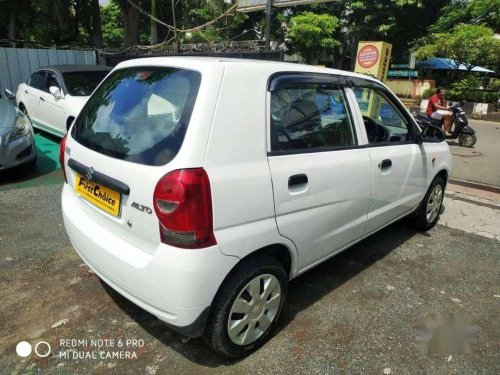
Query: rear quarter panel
(236,162)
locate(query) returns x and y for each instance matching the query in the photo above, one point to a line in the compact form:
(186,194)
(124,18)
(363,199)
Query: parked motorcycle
(461,129)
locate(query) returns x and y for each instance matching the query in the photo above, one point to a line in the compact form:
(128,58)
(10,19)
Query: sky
(104,2)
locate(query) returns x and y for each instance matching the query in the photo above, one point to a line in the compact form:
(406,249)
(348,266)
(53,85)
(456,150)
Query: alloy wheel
(434,203)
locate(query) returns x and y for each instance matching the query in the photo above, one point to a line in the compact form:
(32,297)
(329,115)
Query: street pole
(269,6)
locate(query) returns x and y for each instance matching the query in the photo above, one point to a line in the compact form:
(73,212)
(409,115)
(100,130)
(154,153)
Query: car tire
(261,312)
(429,210)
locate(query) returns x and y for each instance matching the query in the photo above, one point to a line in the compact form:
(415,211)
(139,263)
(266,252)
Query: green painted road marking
(47,170)
(48,145)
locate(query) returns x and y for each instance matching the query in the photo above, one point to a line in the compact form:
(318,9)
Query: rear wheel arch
(277,251)
(266,261)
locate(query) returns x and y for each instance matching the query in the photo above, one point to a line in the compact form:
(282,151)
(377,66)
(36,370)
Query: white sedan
(53,96)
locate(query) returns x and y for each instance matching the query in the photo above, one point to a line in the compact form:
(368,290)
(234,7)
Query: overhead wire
(225,14)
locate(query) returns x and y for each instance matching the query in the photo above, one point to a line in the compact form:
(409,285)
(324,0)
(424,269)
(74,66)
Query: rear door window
(307,116)
(139,114)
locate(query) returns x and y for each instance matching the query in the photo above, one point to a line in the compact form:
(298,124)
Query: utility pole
(269,7)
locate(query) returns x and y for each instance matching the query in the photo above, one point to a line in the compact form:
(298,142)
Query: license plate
(101,196)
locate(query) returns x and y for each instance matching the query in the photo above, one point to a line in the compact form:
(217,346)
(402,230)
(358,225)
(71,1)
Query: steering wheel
(376,133)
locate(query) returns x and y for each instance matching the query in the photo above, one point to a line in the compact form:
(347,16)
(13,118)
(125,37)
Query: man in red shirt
(438,110)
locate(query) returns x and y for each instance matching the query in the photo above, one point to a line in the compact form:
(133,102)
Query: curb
(475,185)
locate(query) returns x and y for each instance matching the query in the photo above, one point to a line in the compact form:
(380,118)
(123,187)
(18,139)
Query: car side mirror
(431,134)
(56,92)
(9,94)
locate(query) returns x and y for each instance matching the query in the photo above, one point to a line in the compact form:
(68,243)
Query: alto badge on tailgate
(142,208)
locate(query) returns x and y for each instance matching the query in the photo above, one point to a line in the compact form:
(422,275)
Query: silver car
(17,144)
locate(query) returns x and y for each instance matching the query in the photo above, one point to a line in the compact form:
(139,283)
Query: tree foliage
(471,45)
(112,25)
(478,12)
(310,34)
(399,22)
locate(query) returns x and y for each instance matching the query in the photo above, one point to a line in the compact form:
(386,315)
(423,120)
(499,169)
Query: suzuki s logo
(90,174)
(142,208)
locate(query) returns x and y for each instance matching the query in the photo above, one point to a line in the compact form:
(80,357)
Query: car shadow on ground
(304,291)
(47,147)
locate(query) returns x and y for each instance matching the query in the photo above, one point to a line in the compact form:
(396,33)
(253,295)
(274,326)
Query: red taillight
(62,151)
(183,204)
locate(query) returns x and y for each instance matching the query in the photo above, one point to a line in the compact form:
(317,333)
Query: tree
(399,22)
(90,18)
(310,34)
(470,45)
(13,20)
(130,17)
(478,12)
(154,24)
(112,25)
(486,12)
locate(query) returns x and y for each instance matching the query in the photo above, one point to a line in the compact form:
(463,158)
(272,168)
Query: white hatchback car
(53,96)
(198,187)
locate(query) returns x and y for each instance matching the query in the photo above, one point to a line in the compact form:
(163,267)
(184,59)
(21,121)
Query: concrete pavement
(357,313)
(472,211)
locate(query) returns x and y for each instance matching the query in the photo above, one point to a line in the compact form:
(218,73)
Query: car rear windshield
(139,114)
(83,83)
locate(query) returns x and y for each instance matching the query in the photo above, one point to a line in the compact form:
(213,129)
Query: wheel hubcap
(254,309)
(434,203)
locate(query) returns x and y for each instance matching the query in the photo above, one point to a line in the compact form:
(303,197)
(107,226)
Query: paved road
(482,162)
(354,314)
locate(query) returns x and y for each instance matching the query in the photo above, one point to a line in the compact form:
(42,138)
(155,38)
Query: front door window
(383,121)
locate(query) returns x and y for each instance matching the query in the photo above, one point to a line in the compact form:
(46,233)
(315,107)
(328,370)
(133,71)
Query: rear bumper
(175,285)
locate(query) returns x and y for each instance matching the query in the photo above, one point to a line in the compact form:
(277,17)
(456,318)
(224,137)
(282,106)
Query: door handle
(26,91)
(385,164)
(298,179)
(42,99)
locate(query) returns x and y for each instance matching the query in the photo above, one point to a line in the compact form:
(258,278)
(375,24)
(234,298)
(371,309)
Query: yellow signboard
(374,59)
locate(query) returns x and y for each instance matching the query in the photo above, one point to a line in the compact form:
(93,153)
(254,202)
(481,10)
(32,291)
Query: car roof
(201,62)
(78,68)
